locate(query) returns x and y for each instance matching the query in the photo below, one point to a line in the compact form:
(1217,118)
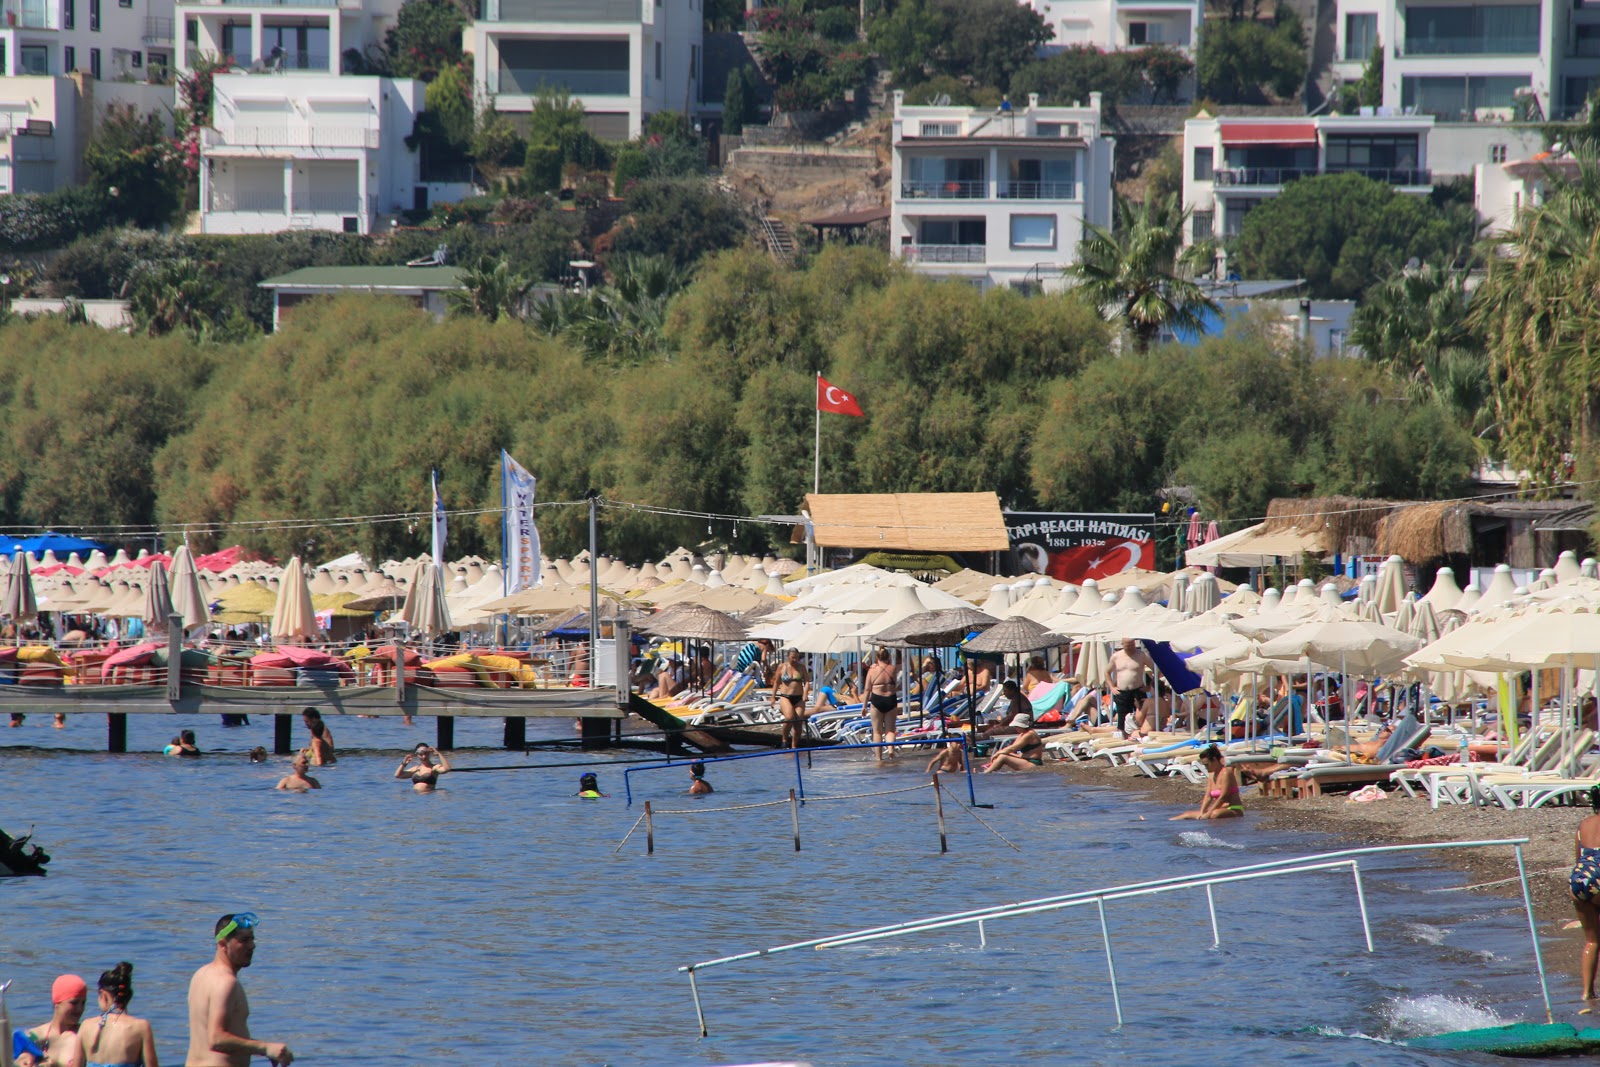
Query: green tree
(1340,232)
(682,219)
(1072,74)
(1164,69)
(1414,317)
(492,291)
(425,38)
(497,140)
(449,99)
(736,101)
(990,40)
(1239,60)
(134,165)
(624,321)
(1140,272)
(906,38)
(181,295)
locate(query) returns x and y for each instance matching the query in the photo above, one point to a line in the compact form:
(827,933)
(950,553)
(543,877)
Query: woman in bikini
(117,1039)
(1025,752)
(425,775)
(791,698)
(883,699)
(320,752)
(1585,886)
(1222,799)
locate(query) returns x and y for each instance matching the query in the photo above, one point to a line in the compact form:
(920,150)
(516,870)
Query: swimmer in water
(425,775)
(950,758)
(117,1039)
(589,787)
(57,1040)
(297,780)
(1222,799)
(1584,883)
(182,745)
(699,785)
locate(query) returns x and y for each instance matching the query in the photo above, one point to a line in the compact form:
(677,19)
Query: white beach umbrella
(1391,585)
(1444,593)
(293,615)
(1329,595)
(1567,567)
(1502,587)
(1271,600)
(157,599)
(1590,567)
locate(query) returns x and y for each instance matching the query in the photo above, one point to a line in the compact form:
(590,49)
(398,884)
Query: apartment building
(308,152)
(311,36)
(624,60)
(1474,62)
(38,133)
(1114,25)
(1233,164)
(1502,190)
(998,197)
(115,40)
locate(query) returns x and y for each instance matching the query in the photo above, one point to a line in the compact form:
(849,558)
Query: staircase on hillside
(780,242)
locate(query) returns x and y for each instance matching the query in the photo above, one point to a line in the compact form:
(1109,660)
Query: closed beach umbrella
(425,609)
(1391,585)
(293,615)
(21,602)
(188,599)
(1094,662)
(1445,593)
(157,599)
(1403,616)
(1567,566)
(1502,587)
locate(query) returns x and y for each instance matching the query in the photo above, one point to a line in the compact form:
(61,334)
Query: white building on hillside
(282,35)
(114,40)
(1114,25)
(1474,61)
(1233,164)
(998,197)
(624,60)
(308,152)
(1502,190)
(45,122)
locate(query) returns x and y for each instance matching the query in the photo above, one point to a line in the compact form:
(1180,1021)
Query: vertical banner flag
(831,398)
(440,524)
(1072,547)
(517,488)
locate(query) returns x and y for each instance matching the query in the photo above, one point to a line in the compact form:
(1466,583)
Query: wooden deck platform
(330,700)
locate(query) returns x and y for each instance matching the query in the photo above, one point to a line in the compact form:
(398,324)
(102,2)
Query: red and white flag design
(831,398)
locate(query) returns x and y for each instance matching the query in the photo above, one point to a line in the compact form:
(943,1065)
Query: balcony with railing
(1584,48)
(607,11)
(327,203)
(921,253)
(951,190)
(1515,44)
(1401,176)
(306,136)
(157,29)
(520,81)
(1039,191)
(256,201)
(1260,176)
(29,15)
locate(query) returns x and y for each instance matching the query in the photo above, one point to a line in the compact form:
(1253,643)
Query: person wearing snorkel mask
(219,1013)
(589,787)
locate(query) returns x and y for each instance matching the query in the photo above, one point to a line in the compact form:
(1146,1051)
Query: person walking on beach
(56,1042)
(883,698)
(791,698)
(1125,674)
(1584,884)
(219,1012)
(117,1039)
(297,780)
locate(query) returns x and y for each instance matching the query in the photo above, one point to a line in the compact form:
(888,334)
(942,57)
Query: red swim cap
(68,987)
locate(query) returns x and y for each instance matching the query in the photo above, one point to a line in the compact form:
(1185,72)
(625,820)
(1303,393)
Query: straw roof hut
(1424,532)
(1348,524)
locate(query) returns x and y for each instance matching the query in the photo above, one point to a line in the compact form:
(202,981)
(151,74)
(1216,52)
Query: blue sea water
(493,922)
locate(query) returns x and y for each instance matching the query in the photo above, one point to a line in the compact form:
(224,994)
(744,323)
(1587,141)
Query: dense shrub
(30,222)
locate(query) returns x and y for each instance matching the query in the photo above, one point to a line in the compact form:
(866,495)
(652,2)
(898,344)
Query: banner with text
(1074,547)
(521,548)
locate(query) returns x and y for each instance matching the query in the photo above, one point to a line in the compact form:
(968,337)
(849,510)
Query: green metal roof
(397,278)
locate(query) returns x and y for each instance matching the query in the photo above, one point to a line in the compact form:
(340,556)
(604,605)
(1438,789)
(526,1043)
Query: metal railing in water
(1345,858)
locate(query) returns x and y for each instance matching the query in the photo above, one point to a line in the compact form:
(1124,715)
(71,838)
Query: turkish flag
(831,398)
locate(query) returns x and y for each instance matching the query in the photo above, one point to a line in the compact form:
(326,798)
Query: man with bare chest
(1125,675)
(219,1013)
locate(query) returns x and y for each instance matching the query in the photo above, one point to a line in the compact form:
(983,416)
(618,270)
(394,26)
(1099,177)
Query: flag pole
(816,451)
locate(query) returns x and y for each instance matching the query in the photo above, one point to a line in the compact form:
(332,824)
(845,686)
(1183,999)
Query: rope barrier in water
(627,835)
(883,793)
(1499,881)
(975,815)
(708,811)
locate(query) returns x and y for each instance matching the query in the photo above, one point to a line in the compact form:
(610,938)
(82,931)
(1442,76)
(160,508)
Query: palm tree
(621,322)
(492,290)
(183,294)
(1141,272)
(1412,317)
(1539,311)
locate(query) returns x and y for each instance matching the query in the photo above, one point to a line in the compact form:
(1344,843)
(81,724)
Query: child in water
(697,771)
(589,787)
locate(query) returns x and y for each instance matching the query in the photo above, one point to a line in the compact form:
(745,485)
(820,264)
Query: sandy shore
(1400,820)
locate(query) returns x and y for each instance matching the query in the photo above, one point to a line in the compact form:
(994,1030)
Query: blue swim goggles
(244,920)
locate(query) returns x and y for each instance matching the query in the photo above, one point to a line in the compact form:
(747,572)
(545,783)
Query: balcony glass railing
(945,253)
(157,28)
(1510,45)
(565,10)
(1388,175)
(1260,175)
(248,200)
(576,82)
(28,15)
(327,203)
(312,136)
(973,190)
(1039,191)
(1585,48)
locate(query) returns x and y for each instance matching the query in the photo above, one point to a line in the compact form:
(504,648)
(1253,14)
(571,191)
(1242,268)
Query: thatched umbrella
(944,628)
(693,622)
(1014,635)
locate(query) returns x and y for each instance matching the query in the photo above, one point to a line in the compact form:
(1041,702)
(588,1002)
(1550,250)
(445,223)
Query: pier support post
(516,736)
(594,733)
(116,731)
(282,736)
(446,739)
